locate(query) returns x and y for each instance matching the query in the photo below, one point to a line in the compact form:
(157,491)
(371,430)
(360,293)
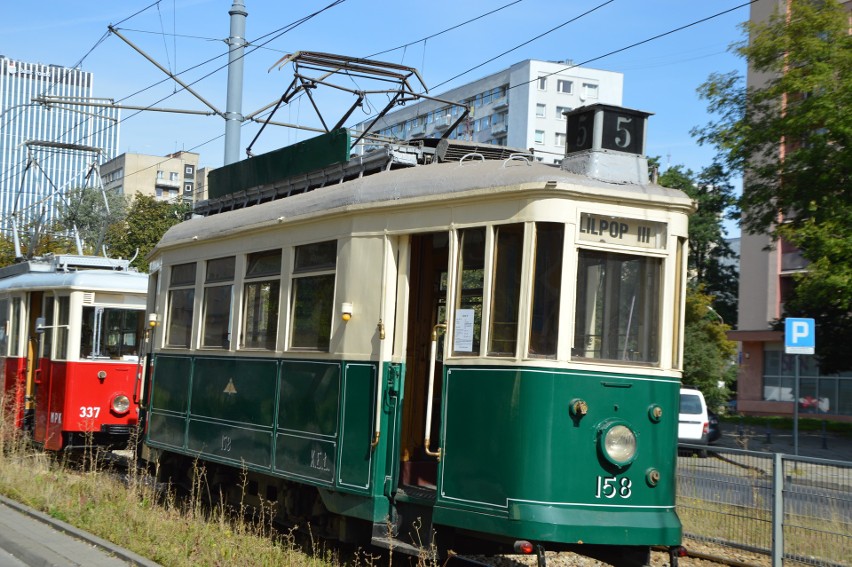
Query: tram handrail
(472,155)
(526,158)
(433,351)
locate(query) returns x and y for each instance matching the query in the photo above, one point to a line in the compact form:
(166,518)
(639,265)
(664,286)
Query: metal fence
(798,510)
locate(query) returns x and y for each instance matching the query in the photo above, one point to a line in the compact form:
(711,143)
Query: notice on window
(463,331)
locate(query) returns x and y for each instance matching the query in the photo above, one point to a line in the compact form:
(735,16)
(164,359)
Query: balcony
(443,122)
(500,103)
(499,128)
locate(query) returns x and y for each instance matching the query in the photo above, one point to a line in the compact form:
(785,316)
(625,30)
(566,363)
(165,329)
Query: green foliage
(791,137)
(92,212)
(708,250)
(708,355)
(805,102)
(146,221)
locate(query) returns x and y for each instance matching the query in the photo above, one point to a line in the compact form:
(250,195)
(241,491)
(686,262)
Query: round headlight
(121,404)
(619,445)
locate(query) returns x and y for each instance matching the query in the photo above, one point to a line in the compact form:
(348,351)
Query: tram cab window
(218,288)
(181,300)
(111,333)
(506,289)
(47,335)
(63,314)
(260,300)
(618,307)
(471,279)
(313,295)
(547,289)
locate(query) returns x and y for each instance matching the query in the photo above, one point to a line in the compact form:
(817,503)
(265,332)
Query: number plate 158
(612,486)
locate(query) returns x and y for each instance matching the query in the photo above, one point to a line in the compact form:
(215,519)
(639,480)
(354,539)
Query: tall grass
(134,513)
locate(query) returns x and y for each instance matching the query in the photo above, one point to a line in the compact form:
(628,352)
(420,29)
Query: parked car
(715,431)
(694,420)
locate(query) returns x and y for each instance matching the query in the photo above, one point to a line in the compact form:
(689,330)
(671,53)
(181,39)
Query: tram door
(35,304)
(427,308)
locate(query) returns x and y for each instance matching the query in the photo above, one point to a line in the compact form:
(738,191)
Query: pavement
(813,444)
(30,538)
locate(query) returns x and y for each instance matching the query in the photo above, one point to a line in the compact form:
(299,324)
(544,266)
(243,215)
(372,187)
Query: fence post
(777,511)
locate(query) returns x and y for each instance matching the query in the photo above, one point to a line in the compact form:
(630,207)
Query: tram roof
(423,184)
(87,280)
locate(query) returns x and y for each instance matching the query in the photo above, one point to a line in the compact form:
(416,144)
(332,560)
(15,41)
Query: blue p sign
(799,336)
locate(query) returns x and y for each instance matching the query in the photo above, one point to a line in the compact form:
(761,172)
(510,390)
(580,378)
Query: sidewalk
(811,443)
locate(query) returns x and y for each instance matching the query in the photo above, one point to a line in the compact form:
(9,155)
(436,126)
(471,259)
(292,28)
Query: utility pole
(233,106)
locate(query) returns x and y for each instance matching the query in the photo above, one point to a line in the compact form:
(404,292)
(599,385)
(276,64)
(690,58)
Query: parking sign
(799,336)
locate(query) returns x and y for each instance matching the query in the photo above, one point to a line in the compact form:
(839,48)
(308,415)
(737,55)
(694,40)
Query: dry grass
(136,515)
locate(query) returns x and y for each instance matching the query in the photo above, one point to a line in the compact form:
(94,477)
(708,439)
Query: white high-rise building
(520,106)
(47,151)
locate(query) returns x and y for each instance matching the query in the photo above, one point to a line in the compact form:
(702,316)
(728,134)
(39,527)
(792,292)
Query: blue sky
(660,76)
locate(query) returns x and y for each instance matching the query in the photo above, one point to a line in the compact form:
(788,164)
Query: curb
(68,529)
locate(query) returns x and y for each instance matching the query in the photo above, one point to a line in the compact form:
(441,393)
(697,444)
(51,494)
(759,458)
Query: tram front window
(618,307)
(111,333)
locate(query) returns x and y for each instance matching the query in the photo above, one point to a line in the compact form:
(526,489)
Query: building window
(541,110)
(560,139)
(565,87)
(590,90)
(189,170)
(313,296)
(181,300)
(159,174)
(618,307)
(187,187)
(260,300)
(542,83)
(218,286)
(539,136)
(561,110)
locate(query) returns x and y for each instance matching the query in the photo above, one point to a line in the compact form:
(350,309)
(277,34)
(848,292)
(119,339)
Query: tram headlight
(618,443)
(121,404)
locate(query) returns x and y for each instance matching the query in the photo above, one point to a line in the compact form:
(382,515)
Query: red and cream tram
(70,334)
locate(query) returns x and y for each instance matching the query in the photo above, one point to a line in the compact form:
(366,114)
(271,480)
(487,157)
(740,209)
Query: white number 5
(622,140)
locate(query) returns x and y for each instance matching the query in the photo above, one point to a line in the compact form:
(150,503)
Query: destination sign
(622,231)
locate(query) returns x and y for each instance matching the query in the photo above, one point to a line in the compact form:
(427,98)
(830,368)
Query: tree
(708,355)
(708,249)
(791,139)
(146,221)
(86,209)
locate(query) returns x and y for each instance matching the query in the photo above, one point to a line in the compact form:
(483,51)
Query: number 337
(89,411)
(612,486)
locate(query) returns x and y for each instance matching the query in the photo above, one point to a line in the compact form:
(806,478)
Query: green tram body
(519,433)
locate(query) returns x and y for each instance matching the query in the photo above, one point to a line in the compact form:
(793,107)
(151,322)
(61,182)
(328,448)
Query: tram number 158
(612,486)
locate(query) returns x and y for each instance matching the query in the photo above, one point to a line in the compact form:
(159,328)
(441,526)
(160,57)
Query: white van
(694,423)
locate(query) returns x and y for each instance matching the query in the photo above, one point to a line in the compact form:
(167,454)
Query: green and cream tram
(483,346)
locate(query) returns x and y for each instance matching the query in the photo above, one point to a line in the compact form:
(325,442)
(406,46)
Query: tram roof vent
(607,142)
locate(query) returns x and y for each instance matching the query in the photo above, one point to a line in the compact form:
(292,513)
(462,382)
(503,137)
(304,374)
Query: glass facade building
(46,151)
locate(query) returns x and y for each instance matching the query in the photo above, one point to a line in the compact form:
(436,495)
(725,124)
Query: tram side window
(181,299)
(261,297)
(63,315)
(547,288)
(618,307)
(506,289)
(4,327)
(47,335)
(468,315)
(313,295)
(218,287)
(15,331)
(111,333)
